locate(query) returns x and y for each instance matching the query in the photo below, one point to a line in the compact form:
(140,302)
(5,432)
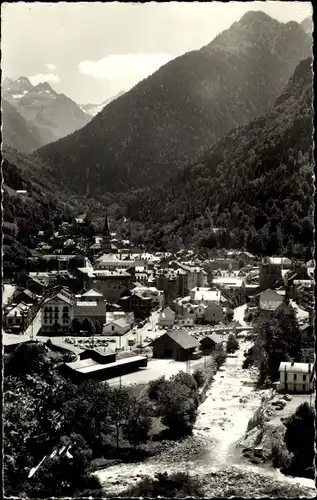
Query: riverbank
(211,452)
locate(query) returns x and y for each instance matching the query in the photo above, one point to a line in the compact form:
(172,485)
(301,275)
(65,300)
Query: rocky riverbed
(211,453)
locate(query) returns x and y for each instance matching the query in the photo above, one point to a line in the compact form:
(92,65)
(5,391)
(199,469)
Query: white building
(57,313)
(204,295)
(296,377)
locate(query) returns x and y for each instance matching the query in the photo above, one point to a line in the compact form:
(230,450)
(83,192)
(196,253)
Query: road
(156,368)
(239,314)
(35,326)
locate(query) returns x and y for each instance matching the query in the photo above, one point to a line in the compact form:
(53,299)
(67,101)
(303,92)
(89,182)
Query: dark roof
(183,339)
(214,337)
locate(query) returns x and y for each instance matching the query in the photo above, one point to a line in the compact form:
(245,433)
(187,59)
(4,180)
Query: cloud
(129,68)
(50,66)
(40,78)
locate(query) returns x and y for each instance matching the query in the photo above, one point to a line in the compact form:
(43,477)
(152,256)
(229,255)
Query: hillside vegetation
(255,186)
(151,132)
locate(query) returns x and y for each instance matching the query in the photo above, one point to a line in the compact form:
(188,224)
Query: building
(112,262)
(212,341)
(176,344)
(205,295)
(17,318)
(101,355)
(210,313)
(85,369)
(92,305)
(138,304)
(270,300)
(57,313)
(112,284)
(296,377)
(25,296)
(270,273)
(118,326)
(166,318)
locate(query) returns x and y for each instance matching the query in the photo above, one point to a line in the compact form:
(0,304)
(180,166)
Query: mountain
(307,25)
(94,109)
(166,120)
(17,132)
(253,189)
(52,115)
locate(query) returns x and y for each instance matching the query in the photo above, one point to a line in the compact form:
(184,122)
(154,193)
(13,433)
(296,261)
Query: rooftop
(88,365)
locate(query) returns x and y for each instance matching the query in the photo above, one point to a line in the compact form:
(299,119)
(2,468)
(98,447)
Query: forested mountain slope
(16,132)
(256,185)
(148,134)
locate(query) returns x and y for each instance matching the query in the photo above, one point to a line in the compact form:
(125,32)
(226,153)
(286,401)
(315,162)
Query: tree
(88,326)
(219,356)
(138,424)
(119,403)
(98,327)
(76,326)
(300,438)
(278,339)
(232,344)
(229,315)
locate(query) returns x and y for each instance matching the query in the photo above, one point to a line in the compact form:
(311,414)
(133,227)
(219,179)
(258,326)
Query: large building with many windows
(57,313)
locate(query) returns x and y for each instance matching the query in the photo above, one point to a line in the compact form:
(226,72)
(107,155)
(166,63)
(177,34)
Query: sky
(90,51)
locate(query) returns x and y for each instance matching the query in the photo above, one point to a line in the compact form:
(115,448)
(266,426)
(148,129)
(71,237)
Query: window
(65,309)
(304,387)
(112,327)
(65,321)
(304,378)
(10,321)
(295,377)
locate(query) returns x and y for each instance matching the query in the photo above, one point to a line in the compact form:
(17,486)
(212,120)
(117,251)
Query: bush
(178,485)
(232,344)
(199,377)
(220,357)
(281,458)
(300,439)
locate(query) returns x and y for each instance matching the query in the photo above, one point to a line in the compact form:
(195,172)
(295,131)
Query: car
(139,326)
(140,346)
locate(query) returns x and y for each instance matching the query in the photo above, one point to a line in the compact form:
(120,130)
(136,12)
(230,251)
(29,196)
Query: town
(112,312)
(129,308)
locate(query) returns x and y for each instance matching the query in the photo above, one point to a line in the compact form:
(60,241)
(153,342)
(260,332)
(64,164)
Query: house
(118,326)
(166,317)
(210,313)
(307,334)
(57,313)
(270,300)
(296,377)
(176,344)
(211,341)
(17,318)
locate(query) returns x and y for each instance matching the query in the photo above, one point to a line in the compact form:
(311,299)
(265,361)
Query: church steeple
(106,245)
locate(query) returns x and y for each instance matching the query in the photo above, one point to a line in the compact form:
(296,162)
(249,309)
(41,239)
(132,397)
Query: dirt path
(221,422)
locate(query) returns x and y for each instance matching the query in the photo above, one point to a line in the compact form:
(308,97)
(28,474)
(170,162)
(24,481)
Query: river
(221,423)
